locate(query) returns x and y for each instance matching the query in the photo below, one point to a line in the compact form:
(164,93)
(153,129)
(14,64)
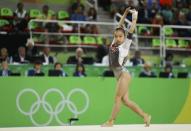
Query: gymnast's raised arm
(121,22)
(134,20)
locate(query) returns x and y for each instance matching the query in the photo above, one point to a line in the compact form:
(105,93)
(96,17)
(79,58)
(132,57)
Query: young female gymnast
(118,52)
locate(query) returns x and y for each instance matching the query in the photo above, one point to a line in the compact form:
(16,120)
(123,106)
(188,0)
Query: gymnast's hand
(134,14)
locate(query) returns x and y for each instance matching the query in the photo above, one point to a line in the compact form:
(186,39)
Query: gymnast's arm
(134,20)
(121,22)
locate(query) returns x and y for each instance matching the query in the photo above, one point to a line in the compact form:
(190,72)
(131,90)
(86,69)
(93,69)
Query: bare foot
(108,123)
(147,120)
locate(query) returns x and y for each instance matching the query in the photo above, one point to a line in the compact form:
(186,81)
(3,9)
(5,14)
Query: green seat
(34,13)
(182,43)
(3,22)
(89,40)
(168,31)
(6,12)
(75,39)
(63,15)
(155,42)
(99,40)
(170,43)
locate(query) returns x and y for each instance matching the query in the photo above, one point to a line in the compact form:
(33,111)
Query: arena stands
(163,28)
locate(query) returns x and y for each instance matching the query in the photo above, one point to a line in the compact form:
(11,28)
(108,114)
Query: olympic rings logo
(53,112)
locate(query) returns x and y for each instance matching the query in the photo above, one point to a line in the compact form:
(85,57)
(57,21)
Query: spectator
(102,50)
(90,29)
(36,71)
(166,2)
(158,19)
(78,15)
(94,29)
(168,60)
(92,14)
(53,26)
(143,13)
(31,50)
(57,71)
(20,17)
(80,71)
(77,58)
(147,71)
(116,5)
(58,67)
(4,56)
(137,60)
(105,4)
(5,69)
(182,21)
(45,13)
(167,14)
(167,72)
(21,57)
(46,58)
(189,14)
(75,5)
(153,10)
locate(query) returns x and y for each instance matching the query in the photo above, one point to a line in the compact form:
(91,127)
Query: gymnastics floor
(134,127)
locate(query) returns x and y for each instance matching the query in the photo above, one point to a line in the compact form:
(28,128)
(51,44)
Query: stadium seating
(3,23)
(99,40)
(6,13)
(168,31)
(75,39)
(63,15)
(182,43)
(155,42)
(170,43)
(89,40)
(34,13)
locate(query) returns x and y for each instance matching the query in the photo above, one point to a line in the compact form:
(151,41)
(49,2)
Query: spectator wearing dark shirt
(46,58)
(20,17)
(168,73)
(58,67)
(36,71)
(147,71)
(31,50)
(92,14)
(78,15)
(79,71)
(75,5)
(78,58)
(137,60)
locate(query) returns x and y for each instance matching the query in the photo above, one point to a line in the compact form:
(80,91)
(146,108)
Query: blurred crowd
(150,11)
(171,12)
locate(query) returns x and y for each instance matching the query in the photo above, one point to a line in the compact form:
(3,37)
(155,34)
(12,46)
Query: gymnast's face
(119,37)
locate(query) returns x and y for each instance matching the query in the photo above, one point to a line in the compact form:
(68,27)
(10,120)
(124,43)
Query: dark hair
(57,63)
(20,4)
(120,29)
(168,67)
(45,6)
(80,65)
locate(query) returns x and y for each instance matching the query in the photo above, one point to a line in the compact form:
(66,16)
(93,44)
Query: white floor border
(133,127)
